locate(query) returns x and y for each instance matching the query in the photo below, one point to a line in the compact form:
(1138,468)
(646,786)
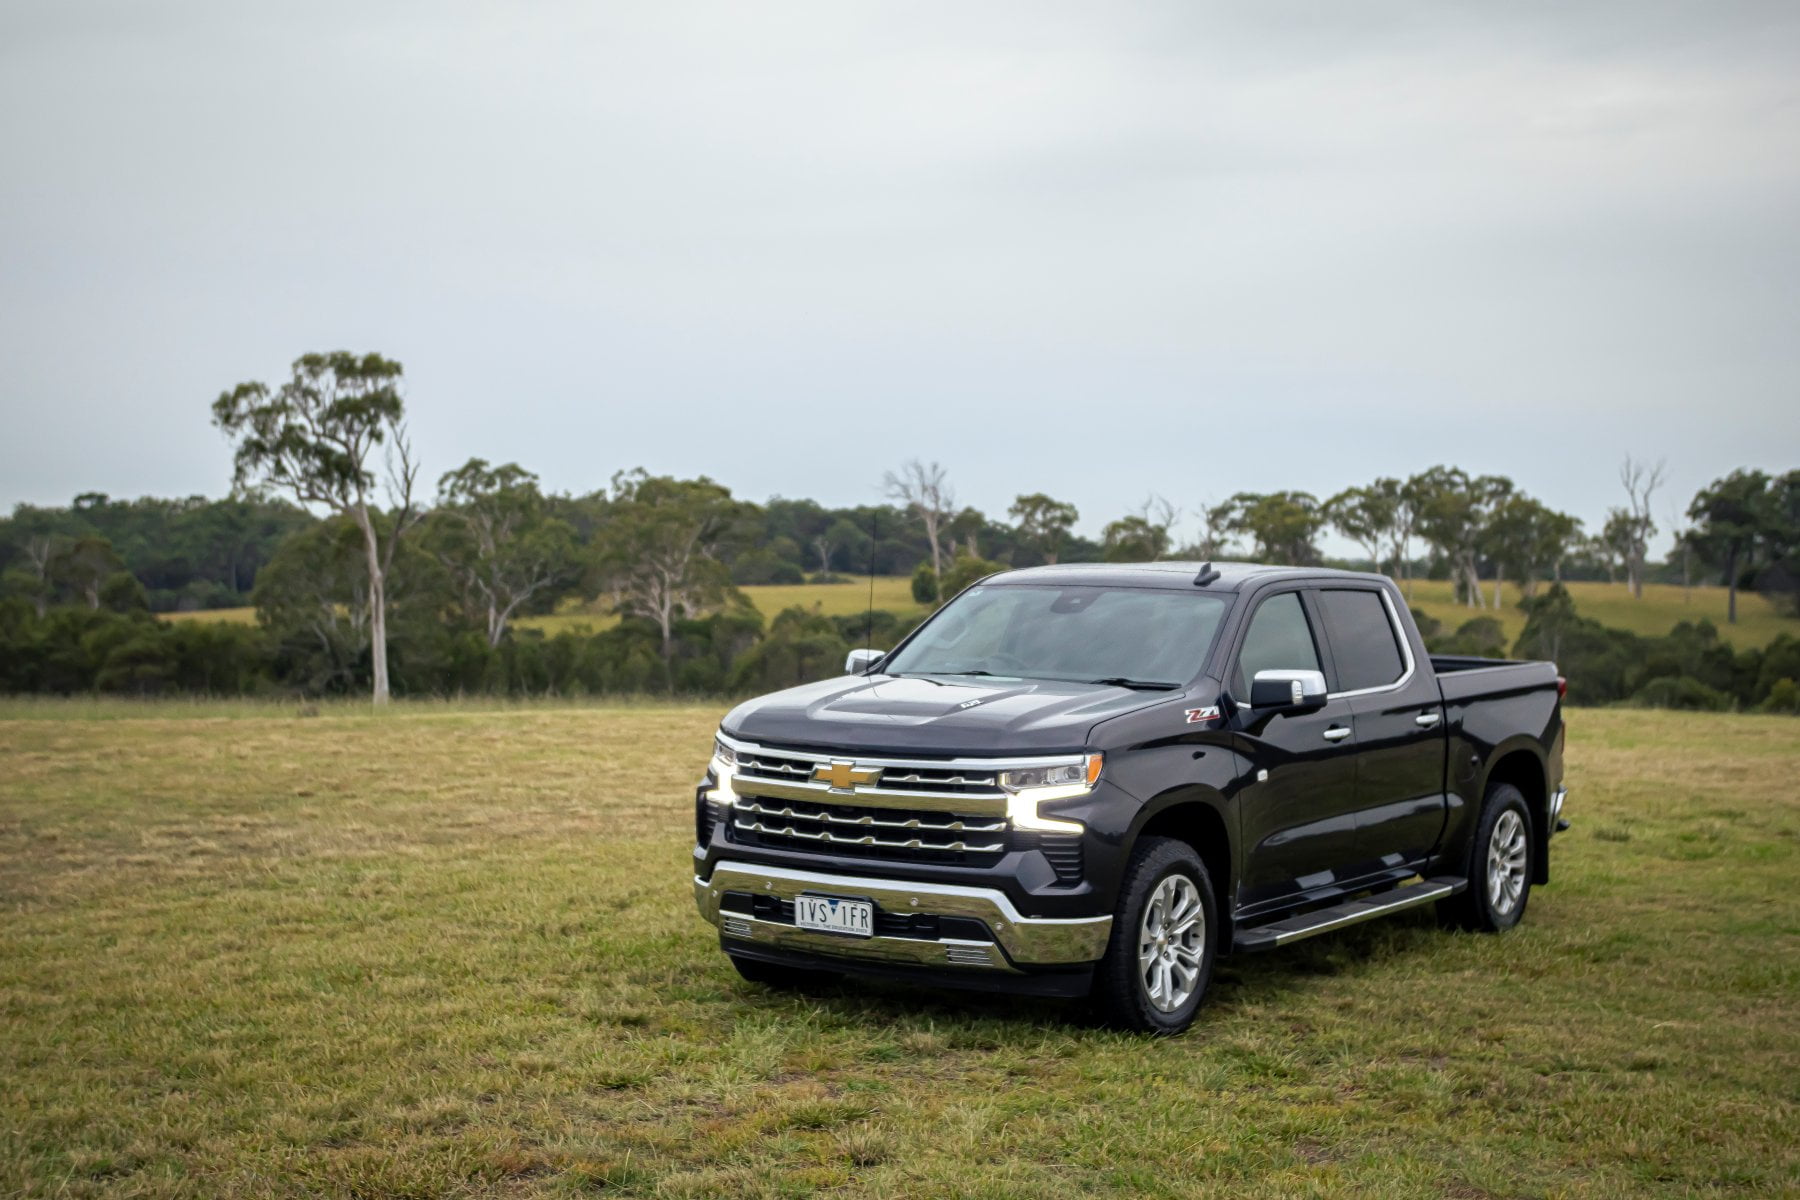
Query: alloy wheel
(1172,943)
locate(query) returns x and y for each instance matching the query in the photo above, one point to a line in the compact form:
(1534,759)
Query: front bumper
(992,934)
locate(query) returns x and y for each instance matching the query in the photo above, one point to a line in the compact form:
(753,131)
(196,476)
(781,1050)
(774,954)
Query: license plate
(831,915)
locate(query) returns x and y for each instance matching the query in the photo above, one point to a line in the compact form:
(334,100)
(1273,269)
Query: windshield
(1081,634)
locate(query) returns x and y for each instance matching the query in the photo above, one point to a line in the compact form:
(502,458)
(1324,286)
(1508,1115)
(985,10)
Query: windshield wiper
(1141,685)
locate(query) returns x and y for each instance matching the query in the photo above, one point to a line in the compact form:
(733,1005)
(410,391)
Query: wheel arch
(1195,816)
(1522,765)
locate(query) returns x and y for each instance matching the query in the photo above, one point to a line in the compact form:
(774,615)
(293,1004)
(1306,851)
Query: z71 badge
(1197,716)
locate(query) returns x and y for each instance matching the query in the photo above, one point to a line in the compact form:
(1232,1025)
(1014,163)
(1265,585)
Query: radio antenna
(869,621)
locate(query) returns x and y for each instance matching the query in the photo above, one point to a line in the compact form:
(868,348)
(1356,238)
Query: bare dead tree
(1158,513)
(925,489)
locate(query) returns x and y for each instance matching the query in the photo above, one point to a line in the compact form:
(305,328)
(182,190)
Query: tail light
(1562,686)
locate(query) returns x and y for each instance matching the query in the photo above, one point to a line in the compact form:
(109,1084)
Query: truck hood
(973,716)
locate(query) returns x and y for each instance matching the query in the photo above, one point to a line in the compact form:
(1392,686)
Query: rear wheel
(1160,958)
(1499,868)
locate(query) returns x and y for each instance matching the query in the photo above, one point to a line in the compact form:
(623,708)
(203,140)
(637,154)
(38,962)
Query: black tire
(777,975)
(1122,988)
(1489,904)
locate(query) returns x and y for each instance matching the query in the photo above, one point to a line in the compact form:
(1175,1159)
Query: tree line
(359,581)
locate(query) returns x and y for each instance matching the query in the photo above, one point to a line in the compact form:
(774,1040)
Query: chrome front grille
(936,786)
(942,810)
(879,828)
(955,782)
(762,765)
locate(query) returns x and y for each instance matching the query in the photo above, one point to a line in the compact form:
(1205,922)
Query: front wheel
(1165,930)
(1500,867)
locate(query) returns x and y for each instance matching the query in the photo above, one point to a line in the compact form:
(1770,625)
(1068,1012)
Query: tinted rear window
(1362,639)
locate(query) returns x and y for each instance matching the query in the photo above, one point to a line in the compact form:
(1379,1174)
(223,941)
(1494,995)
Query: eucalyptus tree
(1044,523)
(1283,527)
(1142,536)
(1453,509)
(494,534)
(1366,515)
(1731,516)
(658,550)
(84,566)
(315,437)
(1526,539)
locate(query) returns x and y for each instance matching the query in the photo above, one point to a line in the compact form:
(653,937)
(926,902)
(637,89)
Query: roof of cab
(1233,576)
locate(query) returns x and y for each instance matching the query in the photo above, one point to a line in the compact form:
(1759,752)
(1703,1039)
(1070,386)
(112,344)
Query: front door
(1297,827)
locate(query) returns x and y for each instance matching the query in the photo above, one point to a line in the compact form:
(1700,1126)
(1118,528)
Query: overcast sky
(1096,250)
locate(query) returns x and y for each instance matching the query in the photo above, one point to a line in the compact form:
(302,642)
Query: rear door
(1298,825)
(1399,715)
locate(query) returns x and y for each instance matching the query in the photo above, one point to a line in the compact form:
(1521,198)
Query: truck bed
(1463,677)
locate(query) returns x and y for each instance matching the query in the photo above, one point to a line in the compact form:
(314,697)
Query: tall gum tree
(656,551)
(493,533)
(315,437)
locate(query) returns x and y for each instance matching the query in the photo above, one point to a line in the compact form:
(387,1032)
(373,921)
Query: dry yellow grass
(450,951)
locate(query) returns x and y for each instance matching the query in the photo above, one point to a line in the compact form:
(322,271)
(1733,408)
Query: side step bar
(1324,920)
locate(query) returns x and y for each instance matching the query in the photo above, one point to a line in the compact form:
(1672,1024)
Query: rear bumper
(994,937)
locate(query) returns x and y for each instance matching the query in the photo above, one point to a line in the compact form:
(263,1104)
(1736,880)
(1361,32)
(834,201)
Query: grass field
(451,950)
(1661,609)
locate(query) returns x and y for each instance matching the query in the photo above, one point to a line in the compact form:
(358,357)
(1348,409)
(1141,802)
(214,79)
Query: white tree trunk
(377,605)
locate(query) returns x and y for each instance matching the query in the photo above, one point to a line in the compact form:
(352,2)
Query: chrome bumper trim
(916,952)
(1025,940)
(1556,807)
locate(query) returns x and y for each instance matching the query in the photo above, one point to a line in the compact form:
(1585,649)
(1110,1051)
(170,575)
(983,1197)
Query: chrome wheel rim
(1506,863)
(1172,943)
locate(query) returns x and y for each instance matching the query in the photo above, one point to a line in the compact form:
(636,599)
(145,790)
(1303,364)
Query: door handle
(1427,720)
(1336,733)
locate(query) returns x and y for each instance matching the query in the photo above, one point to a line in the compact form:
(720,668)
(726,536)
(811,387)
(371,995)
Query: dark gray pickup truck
(1094,780)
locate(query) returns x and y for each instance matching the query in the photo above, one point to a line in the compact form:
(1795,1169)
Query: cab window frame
(1408,662)
(1315,627)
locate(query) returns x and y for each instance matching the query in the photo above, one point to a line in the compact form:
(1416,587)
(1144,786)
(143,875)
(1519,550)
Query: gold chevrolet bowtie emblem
(842,775)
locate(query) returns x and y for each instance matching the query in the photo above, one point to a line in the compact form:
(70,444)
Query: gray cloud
(1095,250)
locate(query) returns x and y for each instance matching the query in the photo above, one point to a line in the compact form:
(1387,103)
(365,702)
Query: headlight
(1028,787)
(724,762)
(1037,777)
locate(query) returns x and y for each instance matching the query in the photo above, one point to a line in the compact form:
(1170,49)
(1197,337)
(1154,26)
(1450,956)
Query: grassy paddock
(451,950)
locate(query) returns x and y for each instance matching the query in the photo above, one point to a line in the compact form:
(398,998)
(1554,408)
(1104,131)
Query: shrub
(965,571)
(1680,693)
(925,584)
(1783,697)
(1482,637)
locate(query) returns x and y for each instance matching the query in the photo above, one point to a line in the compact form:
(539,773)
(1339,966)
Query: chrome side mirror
(858,661)
(1288,691)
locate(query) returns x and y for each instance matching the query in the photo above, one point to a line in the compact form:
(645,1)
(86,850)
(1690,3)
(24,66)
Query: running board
(1324,920)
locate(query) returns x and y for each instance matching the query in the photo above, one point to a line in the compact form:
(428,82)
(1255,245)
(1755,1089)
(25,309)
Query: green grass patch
(451,950)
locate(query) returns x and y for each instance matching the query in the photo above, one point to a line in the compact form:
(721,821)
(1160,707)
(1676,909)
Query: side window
(1362,639)
(1279,640)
